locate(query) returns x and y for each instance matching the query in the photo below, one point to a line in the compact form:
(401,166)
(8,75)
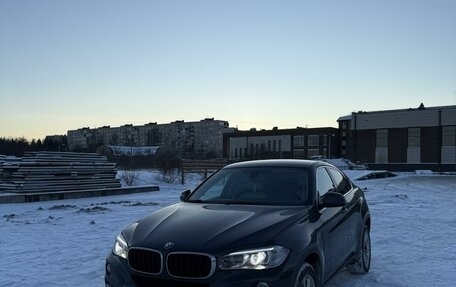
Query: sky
(71,64)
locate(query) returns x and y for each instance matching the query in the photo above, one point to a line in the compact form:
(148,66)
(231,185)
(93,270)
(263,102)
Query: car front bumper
(119,274)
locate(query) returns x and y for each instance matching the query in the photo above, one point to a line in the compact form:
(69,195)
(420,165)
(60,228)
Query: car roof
(296,163)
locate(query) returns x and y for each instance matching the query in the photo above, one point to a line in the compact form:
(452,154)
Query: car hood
(213,228)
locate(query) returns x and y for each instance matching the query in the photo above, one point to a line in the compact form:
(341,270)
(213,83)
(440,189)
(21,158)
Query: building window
(313,140)
(449,136)
(313,152)
(299,153)
(382,138)
(269,145)
(280,145)
(236,153)
(448,155)
(298,141)
(414,137)
(325,140)
(240,152)
(274,143)
(414,143)
(381,148)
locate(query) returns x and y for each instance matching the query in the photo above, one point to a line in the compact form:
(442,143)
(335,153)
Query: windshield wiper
(244,202)
(196,201)
(228,202)
(205,201)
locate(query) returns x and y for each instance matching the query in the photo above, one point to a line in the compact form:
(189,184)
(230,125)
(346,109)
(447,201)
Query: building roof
(420,108)
(405,118)
(205,120)
(344,118)
(277,132)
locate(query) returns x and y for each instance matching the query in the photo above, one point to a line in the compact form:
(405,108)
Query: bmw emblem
(169,245)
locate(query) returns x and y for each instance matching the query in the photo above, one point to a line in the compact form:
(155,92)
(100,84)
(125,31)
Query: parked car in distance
(276,223)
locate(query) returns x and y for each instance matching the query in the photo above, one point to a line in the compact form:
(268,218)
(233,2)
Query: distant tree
(16,146)
(54,143)
(168,163)
(33,145)
(50,145)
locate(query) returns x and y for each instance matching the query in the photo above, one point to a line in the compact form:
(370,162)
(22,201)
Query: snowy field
(64,243)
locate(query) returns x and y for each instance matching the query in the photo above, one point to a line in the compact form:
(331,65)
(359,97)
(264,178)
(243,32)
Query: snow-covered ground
(64,243)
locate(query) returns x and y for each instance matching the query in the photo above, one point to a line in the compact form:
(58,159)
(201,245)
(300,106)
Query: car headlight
(261,258)
(121,247)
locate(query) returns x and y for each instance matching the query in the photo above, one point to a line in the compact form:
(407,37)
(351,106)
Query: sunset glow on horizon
(65,65)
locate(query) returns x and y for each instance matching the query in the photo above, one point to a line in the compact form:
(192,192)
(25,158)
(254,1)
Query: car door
(334,225)
(352,210)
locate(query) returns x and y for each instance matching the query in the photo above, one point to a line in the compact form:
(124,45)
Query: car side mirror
(332,199)
(185,194)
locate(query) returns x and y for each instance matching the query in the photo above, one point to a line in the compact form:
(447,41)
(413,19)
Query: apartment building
(198,139)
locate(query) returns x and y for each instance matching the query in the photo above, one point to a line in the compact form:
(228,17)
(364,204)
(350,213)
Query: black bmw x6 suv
(277,223)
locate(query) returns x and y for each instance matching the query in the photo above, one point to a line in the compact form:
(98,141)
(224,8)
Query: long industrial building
(298,143)
(405,139)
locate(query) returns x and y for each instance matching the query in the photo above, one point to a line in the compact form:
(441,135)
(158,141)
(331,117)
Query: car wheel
(307,277)
(362,264)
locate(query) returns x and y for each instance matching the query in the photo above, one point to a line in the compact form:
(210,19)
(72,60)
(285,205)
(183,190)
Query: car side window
(324,181)
(342,184)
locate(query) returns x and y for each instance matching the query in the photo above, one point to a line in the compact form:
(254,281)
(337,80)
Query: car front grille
(190,265)
(145,260)
(186,265)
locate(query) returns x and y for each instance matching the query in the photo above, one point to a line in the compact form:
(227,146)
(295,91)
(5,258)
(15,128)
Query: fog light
(262,284)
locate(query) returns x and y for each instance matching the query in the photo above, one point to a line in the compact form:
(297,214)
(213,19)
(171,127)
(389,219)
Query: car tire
(307,277)
(362,263)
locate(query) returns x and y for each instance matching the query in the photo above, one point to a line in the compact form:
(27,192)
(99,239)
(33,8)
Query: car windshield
(257,186)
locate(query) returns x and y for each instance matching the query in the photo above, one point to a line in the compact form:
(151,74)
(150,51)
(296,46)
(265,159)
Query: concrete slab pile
(56,171)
